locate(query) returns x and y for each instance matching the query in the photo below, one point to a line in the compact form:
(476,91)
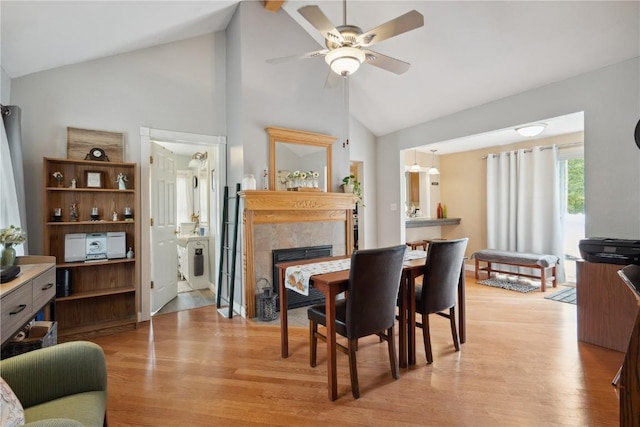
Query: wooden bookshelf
(104,293)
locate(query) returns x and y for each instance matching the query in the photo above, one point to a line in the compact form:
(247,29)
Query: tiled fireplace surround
(289,219)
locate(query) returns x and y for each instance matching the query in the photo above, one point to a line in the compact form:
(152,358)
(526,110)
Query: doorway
(176,147)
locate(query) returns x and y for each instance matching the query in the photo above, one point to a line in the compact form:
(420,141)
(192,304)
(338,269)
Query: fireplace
(294,299)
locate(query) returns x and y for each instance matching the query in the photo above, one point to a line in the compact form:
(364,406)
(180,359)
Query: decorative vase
(8,255)
(347,188)
(59,182)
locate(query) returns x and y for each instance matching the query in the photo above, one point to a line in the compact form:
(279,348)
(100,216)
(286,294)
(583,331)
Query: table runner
(297,276)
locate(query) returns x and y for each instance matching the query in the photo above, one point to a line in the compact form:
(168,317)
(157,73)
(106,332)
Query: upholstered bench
(540,262)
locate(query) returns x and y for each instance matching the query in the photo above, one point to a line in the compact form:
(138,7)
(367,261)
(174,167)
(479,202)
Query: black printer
(610,251)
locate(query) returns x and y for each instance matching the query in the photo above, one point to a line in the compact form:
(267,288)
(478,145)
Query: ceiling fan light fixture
(345,61)
(531,130)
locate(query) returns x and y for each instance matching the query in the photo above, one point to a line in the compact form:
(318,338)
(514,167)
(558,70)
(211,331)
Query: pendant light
(433,170)
(416,166)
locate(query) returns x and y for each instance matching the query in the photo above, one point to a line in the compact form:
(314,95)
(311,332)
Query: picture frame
(94,179)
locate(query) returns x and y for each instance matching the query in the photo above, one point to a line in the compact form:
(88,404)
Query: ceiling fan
(348,46)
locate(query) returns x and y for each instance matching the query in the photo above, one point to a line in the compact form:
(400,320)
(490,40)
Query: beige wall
(463,188)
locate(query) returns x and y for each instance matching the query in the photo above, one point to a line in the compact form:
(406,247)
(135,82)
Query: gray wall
(610,100)
(171,87)
(290,95)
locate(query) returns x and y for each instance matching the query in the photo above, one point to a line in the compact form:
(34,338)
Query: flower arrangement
(58,176)
(12,236)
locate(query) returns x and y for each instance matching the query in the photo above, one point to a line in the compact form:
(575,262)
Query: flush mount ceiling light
(531,130)
(433,170)
(416,167)
(196,160)
(345,60)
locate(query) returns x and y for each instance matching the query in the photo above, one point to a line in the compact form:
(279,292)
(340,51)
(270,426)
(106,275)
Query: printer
(610,251)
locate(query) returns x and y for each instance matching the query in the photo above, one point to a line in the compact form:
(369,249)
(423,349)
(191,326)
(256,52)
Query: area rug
(567,295)
(508,284)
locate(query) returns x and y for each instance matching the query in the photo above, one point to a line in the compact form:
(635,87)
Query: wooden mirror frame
(292,136)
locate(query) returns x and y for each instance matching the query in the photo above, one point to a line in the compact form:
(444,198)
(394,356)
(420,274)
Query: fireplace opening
(294,299)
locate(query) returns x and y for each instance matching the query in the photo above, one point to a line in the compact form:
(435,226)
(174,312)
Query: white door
(164,248)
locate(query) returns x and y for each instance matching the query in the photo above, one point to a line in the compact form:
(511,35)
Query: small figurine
(73,214)
(122,178)
(73,183)
(115,216)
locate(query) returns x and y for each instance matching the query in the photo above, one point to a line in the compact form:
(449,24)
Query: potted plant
(350,184)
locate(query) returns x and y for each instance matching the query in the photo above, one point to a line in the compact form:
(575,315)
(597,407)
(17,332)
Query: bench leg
(477,269)
(543,279)
(555,277)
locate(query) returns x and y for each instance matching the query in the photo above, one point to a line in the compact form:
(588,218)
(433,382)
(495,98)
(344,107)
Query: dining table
(331,284)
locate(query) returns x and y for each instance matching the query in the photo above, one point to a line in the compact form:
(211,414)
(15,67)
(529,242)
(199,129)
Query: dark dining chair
(437,293)
(369,307)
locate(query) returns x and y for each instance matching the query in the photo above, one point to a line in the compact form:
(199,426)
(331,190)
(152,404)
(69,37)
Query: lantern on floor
(267,304)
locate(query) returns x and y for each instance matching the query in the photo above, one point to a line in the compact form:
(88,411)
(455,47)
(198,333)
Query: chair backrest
(374,280)
(442,273)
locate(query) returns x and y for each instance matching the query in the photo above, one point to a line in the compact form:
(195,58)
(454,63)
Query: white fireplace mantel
(276,207)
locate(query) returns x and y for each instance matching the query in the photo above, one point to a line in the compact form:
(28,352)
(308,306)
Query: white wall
(172,87)
(362,149)
(5,87)
(611,105)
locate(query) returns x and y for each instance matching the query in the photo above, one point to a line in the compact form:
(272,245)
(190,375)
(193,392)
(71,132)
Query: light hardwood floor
(521,366)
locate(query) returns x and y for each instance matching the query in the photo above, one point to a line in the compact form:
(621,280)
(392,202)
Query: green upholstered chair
(61,385)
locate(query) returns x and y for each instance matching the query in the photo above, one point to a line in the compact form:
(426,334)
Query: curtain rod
(546,147)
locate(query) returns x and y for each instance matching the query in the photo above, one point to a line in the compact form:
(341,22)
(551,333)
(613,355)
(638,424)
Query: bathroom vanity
(193,260)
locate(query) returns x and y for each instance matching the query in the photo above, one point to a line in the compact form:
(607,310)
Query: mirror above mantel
(293,150)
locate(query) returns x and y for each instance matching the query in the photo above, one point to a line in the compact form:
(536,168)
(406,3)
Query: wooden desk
(332,284)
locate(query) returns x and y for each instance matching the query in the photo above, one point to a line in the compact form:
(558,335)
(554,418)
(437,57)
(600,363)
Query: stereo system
(94,246)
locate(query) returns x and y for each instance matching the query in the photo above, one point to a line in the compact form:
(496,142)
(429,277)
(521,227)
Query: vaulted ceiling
(466,54)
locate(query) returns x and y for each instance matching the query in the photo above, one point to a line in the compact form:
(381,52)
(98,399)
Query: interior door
(164,248)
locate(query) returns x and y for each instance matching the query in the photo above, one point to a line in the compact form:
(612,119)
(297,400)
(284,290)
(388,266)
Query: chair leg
(313,342)
(454,328)
(393,359)
(353,369)
(426,337)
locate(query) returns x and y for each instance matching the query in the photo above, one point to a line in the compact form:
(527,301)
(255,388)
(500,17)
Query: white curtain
(9,208)
(523,203)
(184,202)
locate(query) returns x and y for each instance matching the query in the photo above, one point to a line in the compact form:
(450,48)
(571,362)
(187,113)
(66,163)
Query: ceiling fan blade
(386,62)
(407,22)
(319,20)
(307,55)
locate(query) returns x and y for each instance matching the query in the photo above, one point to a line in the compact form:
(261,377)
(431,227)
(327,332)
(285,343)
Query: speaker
(637,134)
(63,282)
(74,247)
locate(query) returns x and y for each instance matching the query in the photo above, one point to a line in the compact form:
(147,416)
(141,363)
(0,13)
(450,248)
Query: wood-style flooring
(521,366)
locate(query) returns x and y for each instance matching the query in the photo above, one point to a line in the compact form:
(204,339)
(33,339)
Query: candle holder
(95,215)
(57,215)
(128,214)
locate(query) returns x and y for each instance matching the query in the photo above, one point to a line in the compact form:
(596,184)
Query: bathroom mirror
(295,150)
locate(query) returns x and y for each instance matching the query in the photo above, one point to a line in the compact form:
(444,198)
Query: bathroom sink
(183,239)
